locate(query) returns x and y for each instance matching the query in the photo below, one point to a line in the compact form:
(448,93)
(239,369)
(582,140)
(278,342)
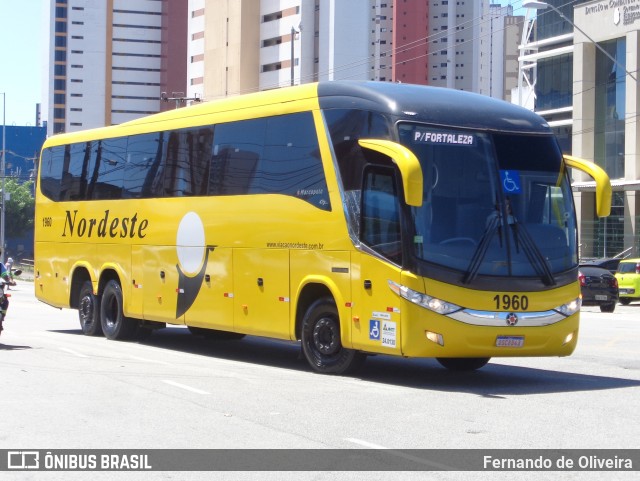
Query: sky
(23,47)
(23,50)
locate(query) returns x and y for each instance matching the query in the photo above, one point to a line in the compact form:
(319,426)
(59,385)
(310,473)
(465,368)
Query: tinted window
(51,172)
(381,214)
(345,128)
(188,159)
(144,168)
(276,155)
(75,168)
(236,152)
(110,161)
(291,164)
(627,267)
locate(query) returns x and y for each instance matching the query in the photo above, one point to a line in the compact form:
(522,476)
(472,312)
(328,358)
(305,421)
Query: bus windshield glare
(494,204)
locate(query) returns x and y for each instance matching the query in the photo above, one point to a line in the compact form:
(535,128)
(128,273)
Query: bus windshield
(494,204)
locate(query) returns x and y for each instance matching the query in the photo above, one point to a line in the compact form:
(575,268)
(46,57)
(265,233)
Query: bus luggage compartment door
(261,292)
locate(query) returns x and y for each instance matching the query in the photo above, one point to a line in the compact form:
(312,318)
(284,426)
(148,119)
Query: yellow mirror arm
(603,184)
(406,161)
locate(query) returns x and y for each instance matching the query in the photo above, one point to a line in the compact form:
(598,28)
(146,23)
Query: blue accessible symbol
(374,330)
(510,181)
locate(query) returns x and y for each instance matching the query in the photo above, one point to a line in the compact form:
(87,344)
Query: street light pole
(536,5)
(2,168)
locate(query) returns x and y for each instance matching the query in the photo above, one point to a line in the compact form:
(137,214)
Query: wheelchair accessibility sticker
(510,181)
(374,330)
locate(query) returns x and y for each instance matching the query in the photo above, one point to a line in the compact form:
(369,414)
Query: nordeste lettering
(104,226)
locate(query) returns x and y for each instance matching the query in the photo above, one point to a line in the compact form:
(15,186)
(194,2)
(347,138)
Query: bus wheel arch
(115,325)
(81,297)
(320,337)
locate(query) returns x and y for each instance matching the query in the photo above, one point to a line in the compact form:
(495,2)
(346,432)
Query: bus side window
(237,149)
(380,224)
(145,167)
(110,160)
(51,172)
(188,157)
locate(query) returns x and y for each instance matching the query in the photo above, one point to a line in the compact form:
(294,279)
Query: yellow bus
(355,217)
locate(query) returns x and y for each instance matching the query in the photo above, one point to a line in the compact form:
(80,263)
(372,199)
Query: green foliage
(20,208)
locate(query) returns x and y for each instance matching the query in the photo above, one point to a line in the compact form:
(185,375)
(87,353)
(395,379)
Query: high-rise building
(107,60)
(242,46)
(455,44)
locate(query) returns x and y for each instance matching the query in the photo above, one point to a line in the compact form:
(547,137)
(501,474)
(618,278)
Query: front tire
(89,311)
(321,340)
(114,323)
(463,363)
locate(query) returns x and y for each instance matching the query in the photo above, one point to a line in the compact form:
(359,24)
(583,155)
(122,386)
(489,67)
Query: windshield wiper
(521,237)
(476,261)
(535,257)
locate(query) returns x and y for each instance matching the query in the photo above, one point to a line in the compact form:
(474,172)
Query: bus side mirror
(603,184)
(407,163)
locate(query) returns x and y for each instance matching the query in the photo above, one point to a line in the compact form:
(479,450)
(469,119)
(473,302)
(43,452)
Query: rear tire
(463,363)
(625,301)
(321,340)
(114,323)
(89,311)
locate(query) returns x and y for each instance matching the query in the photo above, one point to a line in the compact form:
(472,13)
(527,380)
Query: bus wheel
(114,324)
(215,334)
(89,311)
(321,340)
(463,363)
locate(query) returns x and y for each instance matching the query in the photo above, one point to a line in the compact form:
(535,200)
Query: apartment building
(107,58)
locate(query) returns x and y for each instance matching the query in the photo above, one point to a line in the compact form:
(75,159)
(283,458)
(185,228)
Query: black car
(598,287)
(609,263)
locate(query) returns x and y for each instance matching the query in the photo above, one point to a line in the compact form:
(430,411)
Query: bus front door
(376,310)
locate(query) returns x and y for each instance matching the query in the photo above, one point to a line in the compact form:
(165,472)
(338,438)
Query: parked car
(609,263)
(598,287)
(628,276)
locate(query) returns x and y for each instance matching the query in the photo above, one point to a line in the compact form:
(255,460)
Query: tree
(20,208)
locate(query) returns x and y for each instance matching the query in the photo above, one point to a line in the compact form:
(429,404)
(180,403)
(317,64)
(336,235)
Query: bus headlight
(570,307)
(432,303)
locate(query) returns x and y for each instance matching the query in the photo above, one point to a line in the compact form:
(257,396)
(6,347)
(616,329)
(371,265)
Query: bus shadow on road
(495,380)
(13,347)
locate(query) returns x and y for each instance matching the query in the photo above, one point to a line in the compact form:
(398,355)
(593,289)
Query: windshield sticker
(510,181)
(447,138)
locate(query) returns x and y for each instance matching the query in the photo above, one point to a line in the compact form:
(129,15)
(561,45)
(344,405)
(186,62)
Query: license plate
(510,341)
(600,297)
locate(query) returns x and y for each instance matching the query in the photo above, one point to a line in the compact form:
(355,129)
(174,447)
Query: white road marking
(144,359)
(71,351)
(366,444)
(400,454)
(185,387)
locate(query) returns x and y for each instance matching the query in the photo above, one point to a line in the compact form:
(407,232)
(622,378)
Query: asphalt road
(63,390)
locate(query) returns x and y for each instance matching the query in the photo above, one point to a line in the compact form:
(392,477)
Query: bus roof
(434,105)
